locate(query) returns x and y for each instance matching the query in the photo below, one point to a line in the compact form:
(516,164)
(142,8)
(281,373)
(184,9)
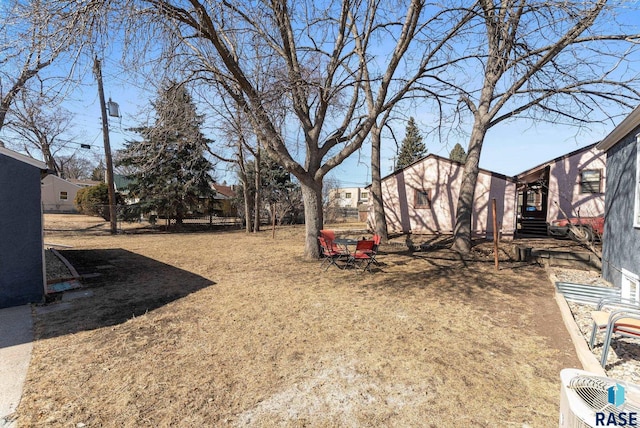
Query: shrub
(94,201)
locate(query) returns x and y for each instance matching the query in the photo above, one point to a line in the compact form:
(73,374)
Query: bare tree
(313,54)
(540,60)
(74,167)
(423,78)
(40,129)
(34,34)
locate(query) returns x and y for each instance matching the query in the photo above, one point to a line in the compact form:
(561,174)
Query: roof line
(486,171)
(23,158)
(559,158)
(622,130)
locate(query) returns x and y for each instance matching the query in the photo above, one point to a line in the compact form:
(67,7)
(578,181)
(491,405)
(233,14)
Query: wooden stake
(494,210)
(273,220)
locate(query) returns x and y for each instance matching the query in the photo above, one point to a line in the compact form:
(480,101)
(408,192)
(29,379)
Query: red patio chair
(330,236)
(327,234)
(329,254)
(376,243)
(362,254)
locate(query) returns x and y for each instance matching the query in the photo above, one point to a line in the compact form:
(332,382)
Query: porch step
(533,227)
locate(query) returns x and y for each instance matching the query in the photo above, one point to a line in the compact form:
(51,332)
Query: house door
(534,204)
(532,209)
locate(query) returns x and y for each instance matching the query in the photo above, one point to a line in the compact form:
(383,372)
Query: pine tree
(171,172)
(458,154)
(412,147)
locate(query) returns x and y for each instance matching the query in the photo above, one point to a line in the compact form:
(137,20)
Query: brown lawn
(230,329)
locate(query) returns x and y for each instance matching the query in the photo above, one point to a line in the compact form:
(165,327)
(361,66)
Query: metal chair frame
(362,254)
(330,253)
(622,309)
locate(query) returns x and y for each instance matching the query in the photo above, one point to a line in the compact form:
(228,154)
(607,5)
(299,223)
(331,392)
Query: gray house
(621,242)
(22,269)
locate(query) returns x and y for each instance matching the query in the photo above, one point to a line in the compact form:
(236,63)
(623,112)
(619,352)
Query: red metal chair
(330,236)
(327,234)
(376,241)
(362,254)
(329,254)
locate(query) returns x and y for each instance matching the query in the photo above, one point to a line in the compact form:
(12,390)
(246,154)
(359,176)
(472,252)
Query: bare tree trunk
(462,231)
(256,196)
(48,157)
(245,186)
(379,218)
(312,197)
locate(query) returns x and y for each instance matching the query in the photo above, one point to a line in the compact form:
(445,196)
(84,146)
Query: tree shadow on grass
(458,278)
(118,285)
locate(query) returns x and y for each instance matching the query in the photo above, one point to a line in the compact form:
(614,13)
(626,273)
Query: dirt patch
(231,329)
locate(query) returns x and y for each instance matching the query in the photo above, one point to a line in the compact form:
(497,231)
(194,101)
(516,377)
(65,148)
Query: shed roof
(554,160)
(23,158)
(443,159)
(622,130)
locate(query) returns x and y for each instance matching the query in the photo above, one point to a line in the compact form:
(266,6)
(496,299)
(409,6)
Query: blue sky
(509,148)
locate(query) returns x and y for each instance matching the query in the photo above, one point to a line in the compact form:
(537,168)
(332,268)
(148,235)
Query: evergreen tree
(171,172)
(412,147)
(458,154)
(98,172)
(277,188)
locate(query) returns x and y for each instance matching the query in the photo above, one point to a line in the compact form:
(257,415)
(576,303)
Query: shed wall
(441,179)
(565,190)
(21,247)
(621,241)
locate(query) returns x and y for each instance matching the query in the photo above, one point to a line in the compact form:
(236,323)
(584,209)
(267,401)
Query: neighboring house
(422,198)
(83,183)
(223,201)
(22,267)
(58,195)
(121,186)
(348,197)
(347,203)
(571,185)
(621,243)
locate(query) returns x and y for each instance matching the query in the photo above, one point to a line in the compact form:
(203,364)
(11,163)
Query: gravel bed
(623,361)
(56,269)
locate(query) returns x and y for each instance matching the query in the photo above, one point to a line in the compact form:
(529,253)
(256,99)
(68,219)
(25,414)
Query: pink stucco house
(422,197)
(571,185)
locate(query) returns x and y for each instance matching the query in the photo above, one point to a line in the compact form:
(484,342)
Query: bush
(94,201)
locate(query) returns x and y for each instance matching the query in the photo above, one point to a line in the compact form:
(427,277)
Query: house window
(63,196)
(636,210)
(590,181)
(347,195)
(364,196)
(423,199)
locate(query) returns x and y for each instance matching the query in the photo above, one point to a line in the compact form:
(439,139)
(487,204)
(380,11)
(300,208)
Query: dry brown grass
(230,329)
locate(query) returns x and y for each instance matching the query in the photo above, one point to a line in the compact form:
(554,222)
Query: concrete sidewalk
(16,343)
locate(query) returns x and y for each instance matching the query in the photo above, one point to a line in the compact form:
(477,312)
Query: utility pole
(107,148)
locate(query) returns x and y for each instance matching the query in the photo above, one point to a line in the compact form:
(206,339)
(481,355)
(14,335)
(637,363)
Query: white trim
(630,286)
(636,193)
